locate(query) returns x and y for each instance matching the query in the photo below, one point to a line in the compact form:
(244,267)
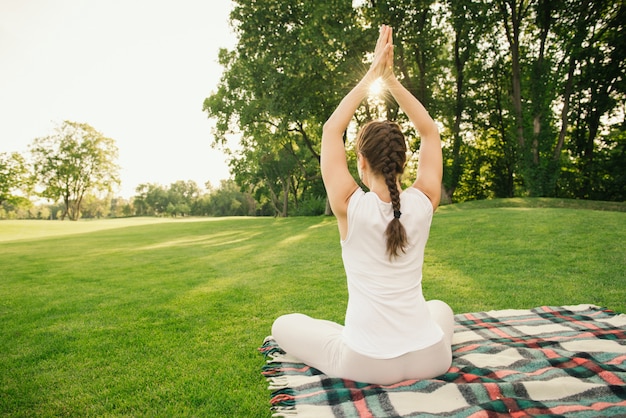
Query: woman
(391,333)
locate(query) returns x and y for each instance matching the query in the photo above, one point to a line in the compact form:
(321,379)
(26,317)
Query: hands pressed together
(382,65)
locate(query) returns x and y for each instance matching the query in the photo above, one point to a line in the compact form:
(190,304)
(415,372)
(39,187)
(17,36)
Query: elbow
(327,128)
(432,133)
(433,130)
(333,128)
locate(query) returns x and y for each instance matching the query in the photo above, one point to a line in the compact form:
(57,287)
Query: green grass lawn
(153,317)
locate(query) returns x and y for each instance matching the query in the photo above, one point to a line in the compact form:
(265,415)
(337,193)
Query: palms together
(382,65)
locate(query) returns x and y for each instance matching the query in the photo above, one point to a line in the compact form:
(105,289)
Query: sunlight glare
(376,88)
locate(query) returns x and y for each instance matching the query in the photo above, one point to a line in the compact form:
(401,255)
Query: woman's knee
(440,309)
(286,323)
(443,316)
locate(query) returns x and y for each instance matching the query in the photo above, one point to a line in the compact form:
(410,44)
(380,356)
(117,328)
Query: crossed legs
(318,343)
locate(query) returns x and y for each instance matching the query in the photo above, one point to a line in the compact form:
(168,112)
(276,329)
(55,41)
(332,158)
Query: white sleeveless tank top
(387,315)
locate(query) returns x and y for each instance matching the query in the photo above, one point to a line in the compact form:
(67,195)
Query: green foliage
(15,186)
(185,198)
(169,320)
(181,196)
(313,206)
(151,199)
(609,177)
(74,161)
(525,91)
(228,200)
(13,177)
(287,73)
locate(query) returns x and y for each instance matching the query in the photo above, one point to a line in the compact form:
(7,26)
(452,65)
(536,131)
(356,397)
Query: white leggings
(319,344)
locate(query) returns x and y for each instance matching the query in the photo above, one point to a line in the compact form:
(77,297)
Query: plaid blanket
(551,361)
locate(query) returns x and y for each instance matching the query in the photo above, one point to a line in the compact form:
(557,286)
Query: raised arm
(339,183)
(430,167)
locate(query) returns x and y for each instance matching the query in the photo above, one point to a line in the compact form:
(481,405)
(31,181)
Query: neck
(377,185)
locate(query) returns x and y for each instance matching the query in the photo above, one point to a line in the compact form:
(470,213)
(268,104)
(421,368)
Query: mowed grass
(143,317)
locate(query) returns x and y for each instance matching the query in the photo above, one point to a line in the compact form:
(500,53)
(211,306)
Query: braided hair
(383,145)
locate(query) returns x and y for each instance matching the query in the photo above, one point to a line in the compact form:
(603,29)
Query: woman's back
(387,314)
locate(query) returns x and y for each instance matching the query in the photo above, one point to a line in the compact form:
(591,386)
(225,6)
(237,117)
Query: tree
(513,13)
(182,195)
(151,199)
(228,200)
(72,162)
(420,54)
(293,62)
(95,207)
(13,177)
(468,20)
(526,91)
(15,186)
(601,87)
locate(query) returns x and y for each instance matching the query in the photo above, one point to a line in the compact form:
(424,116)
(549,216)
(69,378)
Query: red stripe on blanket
(489,326)
(617,360)
(549,353)
(358,400)
(598,406)
(493,390)
(611,378)
(470,347)
(570,318)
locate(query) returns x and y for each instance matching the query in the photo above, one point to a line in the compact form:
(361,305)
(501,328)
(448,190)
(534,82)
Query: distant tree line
(530,94)
(185,198)
(73,172)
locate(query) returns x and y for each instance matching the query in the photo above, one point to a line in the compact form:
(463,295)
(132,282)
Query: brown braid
(384,147)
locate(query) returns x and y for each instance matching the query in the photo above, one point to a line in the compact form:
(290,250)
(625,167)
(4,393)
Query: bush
(313,206)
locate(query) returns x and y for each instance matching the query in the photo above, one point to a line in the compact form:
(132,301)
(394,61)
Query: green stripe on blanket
(552,361)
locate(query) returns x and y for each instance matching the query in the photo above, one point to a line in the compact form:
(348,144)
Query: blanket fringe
(270,350)
(277,383)
(282,398)
(283,403)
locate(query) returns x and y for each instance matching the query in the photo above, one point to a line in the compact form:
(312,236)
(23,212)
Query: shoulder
(413,194)
(356,198)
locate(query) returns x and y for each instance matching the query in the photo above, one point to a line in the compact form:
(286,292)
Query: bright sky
(137,71)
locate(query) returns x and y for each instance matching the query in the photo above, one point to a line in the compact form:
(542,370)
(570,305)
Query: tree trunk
(285,197)
(274,200)
(567,94)
(540,87)
(512,30)
(457,166)
(66,202)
